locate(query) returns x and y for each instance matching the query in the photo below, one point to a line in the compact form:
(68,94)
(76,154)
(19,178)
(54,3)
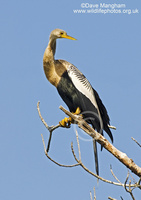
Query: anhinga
(75,90)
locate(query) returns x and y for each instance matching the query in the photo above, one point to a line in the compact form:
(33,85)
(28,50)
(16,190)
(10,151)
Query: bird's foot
(66,122)
(77,112)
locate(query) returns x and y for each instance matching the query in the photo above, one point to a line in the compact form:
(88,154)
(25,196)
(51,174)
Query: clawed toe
(66,122)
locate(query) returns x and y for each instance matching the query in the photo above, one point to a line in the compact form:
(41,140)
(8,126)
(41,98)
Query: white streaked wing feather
(82,84)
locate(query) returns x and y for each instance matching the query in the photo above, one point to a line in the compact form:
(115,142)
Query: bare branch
(114,175)
(122,157)
(136,141)
(111,198)
(139,183)
(93,174)
(90,131)
(94,194)
(125,186)
(50,128)
(61,165)
(78,161)
(78,145)
(91,196)
(112,127)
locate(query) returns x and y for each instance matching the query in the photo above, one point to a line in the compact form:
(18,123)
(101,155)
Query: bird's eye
(61,33)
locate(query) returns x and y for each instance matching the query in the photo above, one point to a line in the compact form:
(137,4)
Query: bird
(75,90)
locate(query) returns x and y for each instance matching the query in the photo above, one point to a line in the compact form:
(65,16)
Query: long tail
(96,156)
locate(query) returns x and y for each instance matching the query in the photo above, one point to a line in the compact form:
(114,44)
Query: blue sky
(107,51)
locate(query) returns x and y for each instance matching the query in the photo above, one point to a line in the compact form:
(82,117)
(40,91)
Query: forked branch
(122,157)
(100,139)
(57,163)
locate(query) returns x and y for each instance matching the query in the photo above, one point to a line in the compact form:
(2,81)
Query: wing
(82,84)
(87,101)
(104,115)
(85,88)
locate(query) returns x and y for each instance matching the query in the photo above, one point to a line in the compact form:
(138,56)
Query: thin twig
(78,145)
(136,141)
(49,141)
(91,195)
(114,175)
(94,194)
(78,161)
(111,198)
(50,128)
(112,127)
(61,165)
(42,119)
(125,186)
(138,183)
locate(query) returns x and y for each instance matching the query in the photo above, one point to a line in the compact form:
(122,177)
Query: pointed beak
(68,37)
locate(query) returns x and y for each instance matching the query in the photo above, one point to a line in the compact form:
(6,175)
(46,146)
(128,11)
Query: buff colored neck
(49,62)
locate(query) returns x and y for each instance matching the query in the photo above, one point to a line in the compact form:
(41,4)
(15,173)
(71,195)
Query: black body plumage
(73,97)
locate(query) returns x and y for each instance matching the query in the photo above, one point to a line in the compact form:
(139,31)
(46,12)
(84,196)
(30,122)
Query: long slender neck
(48,62)
(50,51)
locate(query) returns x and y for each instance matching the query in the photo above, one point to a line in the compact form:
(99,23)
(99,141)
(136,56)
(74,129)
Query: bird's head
(58,33)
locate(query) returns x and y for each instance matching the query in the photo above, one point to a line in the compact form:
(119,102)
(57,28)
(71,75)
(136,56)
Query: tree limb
(122,157)
(84,126)
(93,174)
